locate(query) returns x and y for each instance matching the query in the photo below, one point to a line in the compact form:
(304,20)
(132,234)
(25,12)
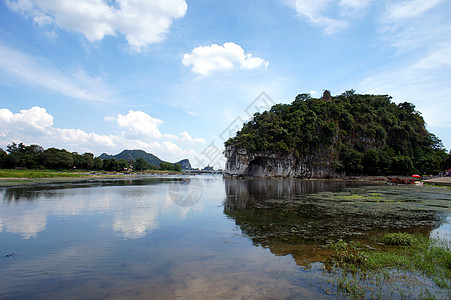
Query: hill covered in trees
(35,157)
(353,133)
(133,155)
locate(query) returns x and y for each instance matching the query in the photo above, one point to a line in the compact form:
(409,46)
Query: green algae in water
(419,261)
(300,224)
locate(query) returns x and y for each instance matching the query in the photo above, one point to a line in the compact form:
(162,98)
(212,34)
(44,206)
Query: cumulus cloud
(138,122)
(171,147)
(206,59)
(78,85)
(141,22)
(34,119)
(31,125)
(138,130)
(187,137)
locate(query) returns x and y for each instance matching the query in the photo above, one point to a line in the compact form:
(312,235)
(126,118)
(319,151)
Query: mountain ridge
(133,155)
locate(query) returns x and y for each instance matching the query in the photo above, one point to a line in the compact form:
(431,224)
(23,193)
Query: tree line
(358,134)
(36,157)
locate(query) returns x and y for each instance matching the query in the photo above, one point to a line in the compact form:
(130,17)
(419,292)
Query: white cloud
(317,12)
(26,68)
(184,137)
(440,58)
(423,82)
(409,8)
(138,122)
(35,125)
(205,59)
(78,136)
(141,22)
(187,137)
(34,119)
(419,32)
(140,131)
(313,93)
(171,147)
(354,4)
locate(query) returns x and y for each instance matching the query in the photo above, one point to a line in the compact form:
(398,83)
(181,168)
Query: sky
(177,78)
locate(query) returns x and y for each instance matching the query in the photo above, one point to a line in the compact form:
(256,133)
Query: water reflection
(243,194)
(117,239)
(132,204)
(297,217)
(53,189)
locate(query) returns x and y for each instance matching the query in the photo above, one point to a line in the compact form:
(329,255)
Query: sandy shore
(439,180)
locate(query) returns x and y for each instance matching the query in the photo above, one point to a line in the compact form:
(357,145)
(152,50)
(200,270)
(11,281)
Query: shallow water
(198,237)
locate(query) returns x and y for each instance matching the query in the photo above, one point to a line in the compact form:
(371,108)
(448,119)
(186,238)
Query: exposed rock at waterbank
(241,163)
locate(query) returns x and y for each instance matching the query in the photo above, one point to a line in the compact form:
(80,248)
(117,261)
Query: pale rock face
(267,164)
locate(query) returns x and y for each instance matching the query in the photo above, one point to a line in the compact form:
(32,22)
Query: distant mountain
(133,155)
(185,164)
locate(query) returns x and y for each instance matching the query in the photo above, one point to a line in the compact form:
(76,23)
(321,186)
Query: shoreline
(439,181)
(24,181)
(18,181)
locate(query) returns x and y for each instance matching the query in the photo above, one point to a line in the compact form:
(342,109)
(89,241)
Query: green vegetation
(359,134)
(134,155)
(153,162)
(415,255)
(22,157)
(32,174)
(399,239)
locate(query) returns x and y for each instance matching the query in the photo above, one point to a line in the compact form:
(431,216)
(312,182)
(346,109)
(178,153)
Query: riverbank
(32,177)
(439,181)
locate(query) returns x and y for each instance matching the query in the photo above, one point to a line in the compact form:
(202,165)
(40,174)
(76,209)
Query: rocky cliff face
(265,164)
(185,164)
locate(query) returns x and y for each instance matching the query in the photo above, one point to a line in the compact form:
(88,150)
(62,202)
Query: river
(196,237)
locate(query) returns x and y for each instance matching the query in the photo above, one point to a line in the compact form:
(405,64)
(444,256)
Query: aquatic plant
(400,239)
(415,257)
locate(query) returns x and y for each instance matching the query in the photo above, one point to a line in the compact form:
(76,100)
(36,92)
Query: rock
(266,164)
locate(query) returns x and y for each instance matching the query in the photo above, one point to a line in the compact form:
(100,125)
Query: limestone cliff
(241,163)
(348,134)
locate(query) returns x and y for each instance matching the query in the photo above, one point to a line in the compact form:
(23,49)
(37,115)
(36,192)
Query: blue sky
(175,77)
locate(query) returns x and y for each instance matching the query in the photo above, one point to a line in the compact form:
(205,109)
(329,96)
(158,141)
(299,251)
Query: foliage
(170,167)
(122,165)
(400,239)
(360,134)
(414,254)
(20,156)
(133,155)
(141,164)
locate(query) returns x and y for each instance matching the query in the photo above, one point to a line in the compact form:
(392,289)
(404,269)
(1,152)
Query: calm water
(199,237)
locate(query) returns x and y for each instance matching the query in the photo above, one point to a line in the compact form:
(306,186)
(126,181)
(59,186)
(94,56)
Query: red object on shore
(416,176)
(397,180)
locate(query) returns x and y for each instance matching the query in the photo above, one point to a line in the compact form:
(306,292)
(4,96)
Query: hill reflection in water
(299,217)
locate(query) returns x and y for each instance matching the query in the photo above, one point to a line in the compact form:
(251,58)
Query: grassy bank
(401,259)
(34,174)
(37,174)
